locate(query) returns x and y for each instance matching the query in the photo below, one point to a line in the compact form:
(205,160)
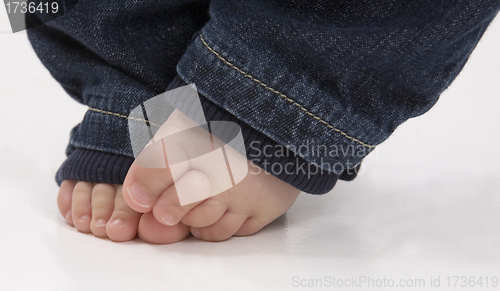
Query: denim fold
(336,74)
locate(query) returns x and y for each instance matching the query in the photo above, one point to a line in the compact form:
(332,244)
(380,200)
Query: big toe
(143,186)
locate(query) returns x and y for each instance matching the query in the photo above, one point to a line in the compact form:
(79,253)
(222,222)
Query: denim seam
(122,116)
(267,87)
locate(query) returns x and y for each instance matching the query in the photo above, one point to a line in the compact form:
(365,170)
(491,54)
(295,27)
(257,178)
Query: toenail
(117,223)
(140,196)
(84,218)
(196,232)
(169,219)
(100,223)
(68,215)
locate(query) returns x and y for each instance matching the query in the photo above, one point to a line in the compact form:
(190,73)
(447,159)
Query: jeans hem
(254,104)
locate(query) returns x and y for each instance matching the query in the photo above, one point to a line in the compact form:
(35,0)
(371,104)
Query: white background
(428,203)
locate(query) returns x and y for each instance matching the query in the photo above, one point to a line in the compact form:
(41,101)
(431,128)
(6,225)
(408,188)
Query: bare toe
(223,229)
(168,209)
(151,189)
(251,226)
(122,226)
(64,198)
(143,186)
(150,230)
(103,197)
(80,207)
(206,213)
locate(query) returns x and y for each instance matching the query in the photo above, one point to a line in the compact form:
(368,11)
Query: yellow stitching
(282,95)
(123,116)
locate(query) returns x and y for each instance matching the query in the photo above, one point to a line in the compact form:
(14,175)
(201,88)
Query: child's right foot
(243,210)
(97,208)
(100,209)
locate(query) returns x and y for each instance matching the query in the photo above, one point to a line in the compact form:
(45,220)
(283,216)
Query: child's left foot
(240,202)
(242,210)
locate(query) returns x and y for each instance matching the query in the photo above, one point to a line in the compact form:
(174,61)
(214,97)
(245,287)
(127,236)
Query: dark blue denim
(334,77)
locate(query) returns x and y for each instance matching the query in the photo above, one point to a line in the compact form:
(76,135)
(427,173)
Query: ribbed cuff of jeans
(94,166)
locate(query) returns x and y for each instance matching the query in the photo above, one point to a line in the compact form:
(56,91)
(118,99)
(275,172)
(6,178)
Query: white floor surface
(425,209)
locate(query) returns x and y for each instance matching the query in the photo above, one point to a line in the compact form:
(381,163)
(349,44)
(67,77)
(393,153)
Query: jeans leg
(112,55)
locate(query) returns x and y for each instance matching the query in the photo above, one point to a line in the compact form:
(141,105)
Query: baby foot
(98,208)
(213,193)
(242,210)
(255,200)
(101,209)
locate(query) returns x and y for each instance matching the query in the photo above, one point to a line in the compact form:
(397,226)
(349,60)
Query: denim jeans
(328,80)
